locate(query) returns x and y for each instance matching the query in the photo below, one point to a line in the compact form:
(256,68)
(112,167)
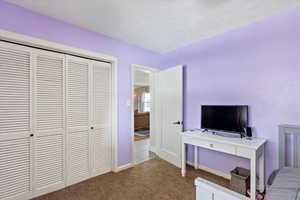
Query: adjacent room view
(149,100)
(142,111)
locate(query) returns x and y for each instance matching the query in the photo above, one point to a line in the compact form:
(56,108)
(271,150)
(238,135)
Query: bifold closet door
(78,126)
(55,120)
(101,117)
(88,118)
(15,122)
(49,137)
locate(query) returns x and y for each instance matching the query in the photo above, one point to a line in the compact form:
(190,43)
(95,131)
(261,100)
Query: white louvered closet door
(15,122)
(49,168)
(78,139)
(101,117)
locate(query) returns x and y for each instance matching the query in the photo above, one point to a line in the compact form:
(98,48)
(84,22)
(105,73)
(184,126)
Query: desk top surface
(254,143)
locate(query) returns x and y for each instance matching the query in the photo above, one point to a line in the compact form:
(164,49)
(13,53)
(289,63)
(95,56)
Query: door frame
(152,86)
(34,42)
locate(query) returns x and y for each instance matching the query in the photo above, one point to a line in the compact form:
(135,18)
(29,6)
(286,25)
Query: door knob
(178,122)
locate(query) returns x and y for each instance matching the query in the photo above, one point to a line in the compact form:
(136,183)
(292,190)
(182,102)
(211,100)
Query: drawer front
(243,152)
(225,148)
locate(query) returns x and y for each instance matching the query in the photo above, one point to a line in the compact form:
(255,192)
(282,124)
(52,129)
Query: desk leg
(183,159)
(261,161)
(195,157)
(253,177)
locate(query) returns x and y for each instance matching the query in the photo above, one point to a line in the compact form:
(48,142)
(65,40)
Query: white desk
(251,149)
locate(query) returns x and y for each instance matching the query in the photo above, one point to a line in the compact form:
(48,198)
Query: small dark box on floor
(240,180)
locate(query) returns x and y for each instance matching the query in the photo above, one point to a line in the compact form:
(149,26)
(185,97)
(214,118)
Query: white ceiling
(158,25)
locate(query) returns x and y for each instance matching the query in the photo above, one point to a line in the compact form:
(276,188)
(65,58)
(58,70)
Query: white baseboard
(152,149)
(202,167)
(123,167)
(210,170)
(141,161)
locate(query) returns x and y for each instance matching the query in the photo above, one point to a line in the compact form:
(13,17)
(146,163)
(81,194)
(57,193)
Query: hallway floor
(142,150)
(152,180)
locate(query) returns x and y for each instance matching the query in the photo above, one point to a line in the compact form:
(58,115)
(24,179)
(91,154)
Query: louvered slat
(14,90)
(102,93)
(78,102)
(79,156)
(78,119)
(101,111)
(101,152)
(49,95)
(49,141)
(15,121)
(15,167)
(49,160)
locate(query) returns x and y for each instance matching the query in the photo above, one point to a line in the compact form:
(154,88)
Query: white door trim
(152,118)
(52,46)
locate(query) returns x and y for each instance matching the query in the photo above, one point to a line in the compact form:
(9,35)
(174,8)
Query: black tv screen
(224,118)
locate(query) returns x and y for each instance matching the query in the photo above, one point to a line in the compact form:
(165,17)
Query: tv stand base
(251,149)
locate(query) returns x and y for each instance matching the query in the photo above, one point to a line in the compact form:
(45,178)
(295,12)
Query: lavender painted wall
(17,19)
(257,65)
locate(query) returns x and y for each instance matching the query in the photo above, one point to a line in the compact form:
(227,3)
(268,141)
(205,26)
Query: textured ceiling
(158,25)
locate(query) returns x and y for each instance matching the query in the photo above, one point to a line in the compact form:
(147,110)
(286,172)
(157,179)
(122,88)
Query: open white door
(169,94)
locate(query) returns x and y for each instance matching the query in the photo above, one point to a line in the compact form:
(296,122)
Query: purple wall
(17,19)
(257,65)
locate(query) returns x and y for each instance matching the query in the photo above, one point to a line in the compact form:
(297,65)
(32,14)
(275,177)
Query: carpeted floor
(152,180)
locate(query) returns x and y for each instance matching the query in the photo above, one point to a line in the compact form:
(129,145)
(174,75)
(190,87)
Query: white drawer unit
(212,145)
(206,190)
(221,147)
(251,149)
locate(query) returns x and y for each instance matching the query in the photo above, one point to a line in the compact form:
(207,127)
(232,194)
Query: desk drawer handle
(211,145)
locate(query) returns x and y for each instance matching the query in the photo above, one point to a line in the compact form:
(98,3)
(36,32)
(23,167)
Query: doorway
(143,133)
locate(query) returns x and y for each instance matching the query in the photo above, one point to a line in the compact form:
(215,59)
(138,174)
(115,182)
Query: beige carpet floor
(152,180)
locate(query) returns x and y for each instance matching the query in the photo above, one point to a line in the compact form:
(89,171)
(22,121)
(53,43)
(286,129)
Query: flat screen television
(225,118)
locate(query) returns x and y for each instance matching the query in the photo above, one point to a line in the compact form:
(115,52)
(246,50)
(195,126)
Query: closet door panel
(14,90)
(79,157)
(49,91)
(101,151)
(101,120)
(50,122)
(15,168)
(15,121)
(78,119)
